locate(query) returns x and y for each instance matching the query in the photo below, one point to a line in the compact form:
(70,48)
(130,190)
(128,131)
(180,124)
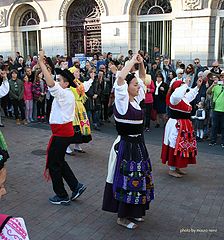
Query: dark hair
(129,77)
(182,66)
(36,78)
(14,71)
(159,74)
(1,56)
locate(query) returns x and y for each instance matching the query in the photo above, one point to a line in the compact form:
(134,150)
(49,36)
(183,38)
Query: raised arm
(142,72)
(4,88)
(125,70)
(47,76)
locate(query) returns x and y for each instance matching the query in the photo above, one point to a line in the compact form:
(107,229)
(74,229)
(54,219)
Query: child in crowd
(39,94)
(28,98)
(200,117)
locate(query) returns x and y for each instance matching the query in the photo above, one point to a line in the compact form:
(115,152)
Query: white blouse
(181,94)
(4,88)
(62,110)
(122,96)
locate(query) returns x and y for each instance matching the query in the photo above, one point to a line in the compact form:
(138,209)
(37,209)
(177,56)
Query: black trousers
(148,109)
(104,107)
(41,108)
(18,105)
(59,168)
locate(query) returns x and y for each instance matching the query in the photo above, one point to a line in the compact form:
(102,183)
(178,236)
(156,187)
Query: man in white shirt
(61,117)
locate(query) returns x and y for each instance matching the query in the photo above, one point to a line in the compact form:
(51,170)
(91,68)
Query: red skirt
(185,150)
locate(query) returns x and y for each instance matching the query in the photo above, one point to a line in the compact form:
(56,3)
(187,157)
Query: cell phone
(220,82)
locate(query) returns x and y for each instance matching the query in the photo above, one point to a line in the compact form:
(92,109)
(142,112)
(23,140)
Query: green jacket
(16,89)
(218,97)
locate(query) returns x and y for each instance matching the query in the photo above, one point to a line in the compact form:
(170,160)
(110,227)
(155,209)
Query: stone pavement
(187,208)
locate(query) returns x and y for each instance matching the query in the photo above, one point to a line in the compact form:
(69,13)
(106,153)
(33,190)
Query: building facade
(182,29)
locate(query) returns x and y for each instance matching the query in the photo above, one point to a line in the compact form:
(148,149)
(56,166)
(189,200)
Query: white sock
(172,168)
(201,133)
(68,150)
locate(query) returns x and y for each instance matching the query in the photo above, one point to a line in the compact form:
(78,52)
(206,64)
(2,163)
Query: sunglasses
(196,62)
(215,66)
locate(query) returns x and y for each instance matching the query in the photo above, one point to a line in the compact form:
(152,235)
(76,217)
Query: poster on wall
(82,59)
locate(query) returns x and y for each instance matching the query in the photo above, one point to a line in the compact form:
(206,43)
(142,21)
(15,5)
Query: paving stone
(195,201)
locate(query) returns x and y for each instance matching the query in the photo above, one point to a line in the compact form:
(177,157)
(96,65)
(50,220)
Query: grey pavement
(187,208)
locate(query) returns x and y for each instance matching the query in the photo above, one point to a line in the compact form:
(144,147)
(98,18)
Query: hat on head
(206,74)
(66,74)
(179,70)
(176,84)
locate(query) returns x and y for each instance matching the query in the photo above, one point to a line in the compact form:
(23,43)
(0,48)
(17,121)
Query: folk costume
(129,184)
(81,122)
(179,144)
(61,117)
(4,89)
(12,228)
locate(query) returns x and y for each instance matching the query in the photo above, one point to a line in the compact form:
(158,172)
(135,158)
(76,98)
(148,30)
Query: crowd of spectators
(29,100)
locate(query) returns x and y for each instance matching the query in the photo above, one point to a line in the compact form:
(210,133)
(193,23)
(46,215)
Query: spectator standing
(217,90)
(39,95)
(199,121)
(150,89)
(159,103)
(215,68)
(28,98)
(16,93)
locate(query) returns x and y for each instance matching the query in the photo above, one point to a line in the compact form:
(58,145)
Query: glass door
(31,42)
(156,33)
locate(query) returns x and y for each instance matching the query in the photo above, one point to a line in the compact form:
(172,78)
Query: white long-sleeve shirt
(4,88)
(180,94)
(122,96)
(62,110)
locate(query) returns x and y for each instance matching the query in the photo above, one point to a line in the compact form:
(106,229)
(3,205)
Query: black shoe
(59,200)
(70,154)
(222,145)
(157,126)
(79,190)
(79,150)
(1,125)
(96,128)
(212,143)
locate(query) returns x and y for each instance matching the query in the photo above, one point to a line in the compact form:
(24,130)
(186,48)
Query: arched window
(31,34)
(155,7)
(155,31)
(29,18)
(83,28)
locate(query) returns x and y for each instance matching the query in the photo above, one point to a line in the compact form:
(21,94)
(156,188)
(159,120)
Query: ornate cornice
(192,5)
(3,14)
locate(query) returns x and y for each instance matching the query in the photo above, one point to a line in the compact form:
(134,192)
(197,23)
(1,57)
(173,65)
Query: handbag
(153,114)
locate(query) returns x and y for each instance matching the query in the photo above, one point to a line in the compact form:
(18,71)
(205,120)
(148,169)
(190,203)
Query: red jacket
(28,87)
(149,95)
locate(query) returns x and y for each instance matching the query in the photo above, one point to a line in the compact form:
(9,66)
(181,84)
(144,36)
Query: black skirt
(124,210)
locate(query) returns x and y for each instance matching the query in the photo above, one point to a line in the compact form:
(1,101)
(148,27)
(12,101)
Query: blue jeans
(218,122)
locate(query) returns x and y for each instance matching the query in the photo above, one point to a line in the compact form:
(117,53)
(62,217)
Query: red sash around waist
(58,130)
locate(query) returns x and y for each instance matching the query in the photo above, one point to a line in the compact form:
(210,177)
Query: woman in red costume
(179,145)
